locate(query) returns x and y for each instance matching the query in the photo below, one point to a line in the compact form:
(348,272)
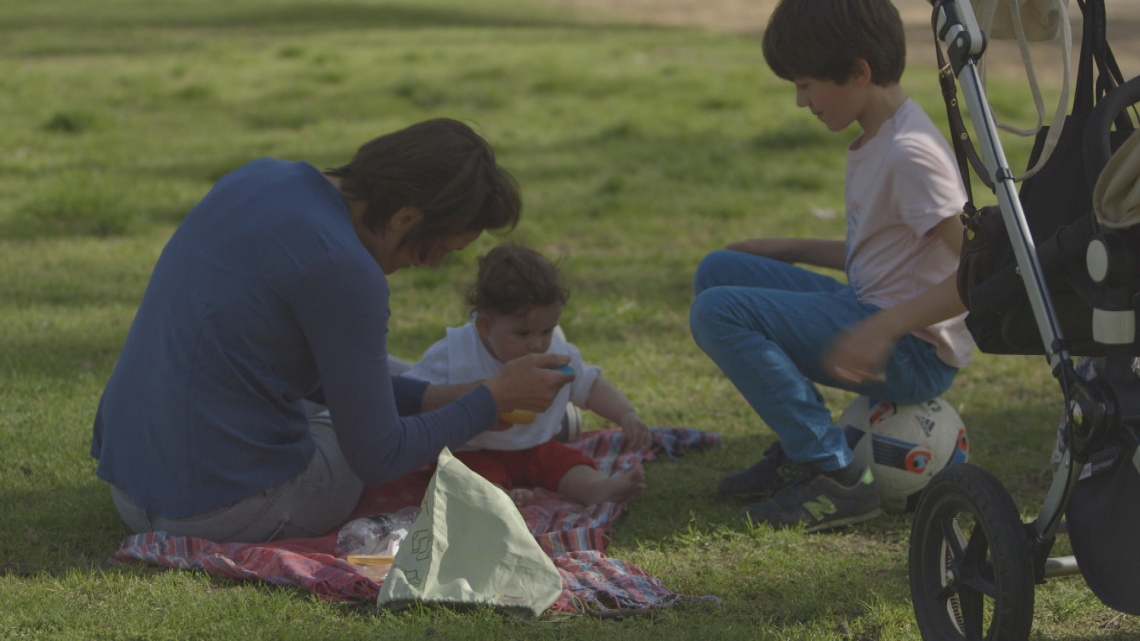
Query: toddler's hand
(637,436)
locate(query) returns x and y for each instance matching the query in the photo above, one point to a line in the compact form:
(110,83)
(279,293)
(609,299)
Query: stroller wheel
(971,574)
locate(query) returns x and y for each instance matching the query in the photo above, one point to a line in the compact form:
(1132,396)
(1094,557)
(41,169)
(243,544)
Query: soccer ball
(905,445)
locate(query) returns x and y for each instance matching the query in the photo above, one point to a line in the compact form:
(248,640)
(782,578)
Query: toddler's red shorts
(541,466)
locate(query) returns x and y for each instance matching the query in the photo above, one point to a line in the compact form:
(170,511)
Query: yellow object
(520,417)
(370,559)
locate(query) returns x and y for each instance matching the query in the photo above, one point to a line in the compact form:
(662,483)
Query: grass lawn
(639,150)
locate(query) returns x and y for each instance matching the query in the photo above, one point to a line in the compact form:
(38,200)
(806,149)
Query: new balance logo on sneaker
(820,503)
(820,507)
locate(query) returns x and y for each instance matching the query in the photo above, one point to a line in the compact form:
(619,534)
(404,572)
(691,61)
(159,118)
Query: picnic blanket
(574,536)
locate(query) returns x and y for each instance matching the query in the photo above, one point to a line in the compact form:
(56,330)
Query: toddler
(516,302)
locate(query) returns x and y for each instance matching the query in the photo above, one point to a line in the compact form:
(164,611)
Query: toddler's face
(510,336)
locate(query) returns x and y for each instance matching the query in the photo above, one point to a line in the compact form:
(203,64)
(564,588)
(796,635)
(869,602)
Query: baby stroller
(1054,270)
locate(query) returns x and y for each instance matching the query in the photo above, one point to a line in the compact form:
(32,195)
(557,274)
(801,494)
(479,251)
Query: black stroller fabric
(1062,190)
(1057,202)
(1103,524)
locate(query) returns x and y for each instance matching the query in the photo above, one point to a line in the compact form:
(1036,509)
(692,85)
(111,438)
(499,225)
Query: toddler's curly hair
(513,279)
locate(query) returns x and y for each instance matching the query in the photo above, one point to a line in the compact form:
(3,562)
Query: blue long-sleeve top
(263,296)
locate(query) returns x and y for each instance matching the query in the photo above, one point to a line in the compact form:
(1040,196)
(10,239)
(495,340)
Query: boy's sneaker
(820,503)
(773,473)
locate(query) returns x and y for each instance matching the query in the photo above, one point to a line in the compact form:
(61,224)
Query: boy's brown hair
(822,39)
(514,278)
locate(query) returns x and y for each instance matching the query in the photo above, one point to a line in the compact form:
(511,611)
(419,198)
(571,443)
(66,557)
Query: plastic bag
(371,543)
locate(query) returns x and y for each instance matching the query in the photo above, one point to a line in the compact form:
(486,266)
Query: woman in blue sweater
(273,291)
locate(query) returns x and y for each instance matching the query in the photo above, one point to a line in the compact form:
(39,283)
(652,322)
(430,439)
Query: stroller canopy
(1116,198)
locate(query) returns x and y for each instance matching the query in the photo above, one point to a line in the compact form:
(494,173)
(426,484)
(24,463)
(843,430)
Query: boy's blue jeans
(766,324)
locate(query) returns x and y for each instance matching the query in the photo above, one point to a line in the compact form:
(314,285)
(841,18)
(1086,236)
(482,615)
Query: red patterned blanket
(574,536)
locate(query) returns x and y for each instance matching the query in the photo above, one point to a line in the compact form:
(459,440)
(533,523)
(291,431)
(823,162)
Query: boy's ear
(860,73)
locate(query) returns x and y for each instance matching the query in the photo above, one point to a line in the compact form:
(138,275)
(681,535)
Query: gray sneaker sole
(850,520)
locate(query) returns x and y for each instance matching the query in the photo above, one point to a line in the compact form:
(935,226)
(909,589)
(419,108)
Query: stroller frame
(953,575)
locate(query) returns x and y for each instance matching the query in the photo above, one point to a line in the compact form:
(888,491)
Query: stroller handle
(955,25)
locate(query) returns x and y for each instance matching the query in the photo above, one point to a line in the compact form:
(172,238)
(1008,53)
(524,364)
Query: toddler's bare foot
(623,486)
(590,487)
(521,496)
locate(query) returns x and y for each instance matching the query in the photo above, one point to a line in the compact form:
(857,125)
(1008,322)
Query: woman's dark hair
(514,278)
(823,38)
(440,167)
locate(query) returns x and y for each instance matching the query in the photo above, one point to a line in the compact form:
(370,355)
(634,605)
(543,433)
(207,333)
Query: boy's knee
(696,314)
(701,280)
(706,309)
(710,269)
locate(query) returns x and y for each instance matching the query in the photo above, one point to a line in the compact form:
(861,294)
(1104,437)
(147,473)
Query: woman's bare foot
(588,486)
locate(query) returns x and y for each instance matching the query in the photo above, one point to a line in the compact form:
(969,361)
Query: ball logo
(917,461)
(882,411)
(925,423)
(961,448)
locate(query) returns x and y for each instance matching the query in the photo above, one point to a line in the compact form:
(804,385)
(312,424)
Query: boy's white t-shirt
(462,357)
(900,184)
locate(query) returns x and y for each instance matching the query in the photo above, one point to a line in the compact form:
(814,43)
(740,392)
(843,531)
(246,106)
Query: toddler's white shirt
(462,357)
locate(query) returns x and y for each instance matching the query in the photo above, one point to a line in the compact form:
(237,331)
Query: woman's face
(434,255)
(390,251)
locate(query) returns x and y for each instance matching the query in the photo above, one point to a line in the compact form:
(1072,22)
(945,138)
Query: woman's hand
(528,383)
(858,355)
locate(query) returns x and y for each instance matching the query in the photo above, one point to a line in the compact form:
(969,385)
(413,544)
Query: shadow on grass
(1012,443)
(682,493)
(74,274)
(63,354)
(699,156)
(1015,444)
(1120,635)
(57,529)
(297,18)
(709,164)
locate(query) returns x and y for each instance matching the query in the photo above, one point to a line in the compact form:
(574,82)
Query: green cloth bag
(470,546)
